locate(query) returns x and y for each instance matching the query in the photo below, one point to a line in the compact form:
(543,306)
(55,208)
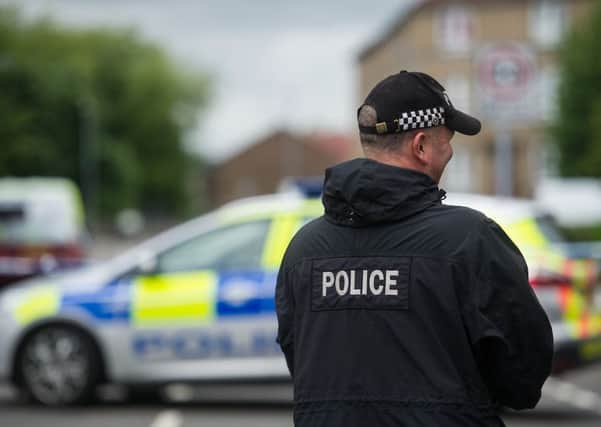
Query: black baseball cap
(413,100)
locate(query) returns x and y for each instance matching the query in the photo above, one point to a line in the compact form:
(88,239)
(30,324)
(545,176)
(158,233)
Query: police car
(567,286)
(196,303)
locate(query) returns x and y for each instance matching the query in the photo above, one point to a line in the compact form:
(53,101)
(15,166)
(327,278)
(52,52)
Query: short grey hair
(368,116)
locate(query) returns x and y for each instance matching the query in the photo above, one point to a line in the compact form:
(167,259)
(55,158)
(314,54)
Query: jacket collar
(361,192)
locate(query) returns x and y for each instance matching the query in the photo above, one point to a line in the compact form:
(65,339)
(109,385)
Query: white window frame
(460,174)
(448,42)
(547,22)
(459,90)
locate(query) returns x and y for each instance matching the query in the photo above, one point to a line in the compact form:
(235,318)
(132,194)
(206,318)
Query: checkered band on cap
(430,117)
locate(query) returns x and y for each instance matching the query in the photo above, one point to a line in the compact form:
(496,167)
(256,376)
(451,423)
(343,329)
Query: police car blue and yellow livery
(196,303)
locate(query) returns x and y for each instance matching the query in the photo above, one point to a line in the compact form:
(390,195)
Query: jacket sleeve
(511,335)
(284,304)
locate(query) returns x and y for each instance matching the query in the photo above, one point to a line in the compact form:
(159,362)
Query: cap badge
(381,127)
(447,100)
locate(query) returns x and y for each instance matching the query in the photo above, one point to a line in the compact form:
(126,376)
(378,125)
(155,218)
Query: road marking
(179,392)
(168,418)
(571,394)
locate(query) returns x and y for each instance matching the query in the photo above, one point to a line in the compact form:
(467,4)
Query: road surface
(572,400)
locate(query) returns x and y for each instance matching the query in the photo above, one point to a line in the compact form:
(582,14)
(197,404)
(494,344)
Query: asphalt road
(572,400)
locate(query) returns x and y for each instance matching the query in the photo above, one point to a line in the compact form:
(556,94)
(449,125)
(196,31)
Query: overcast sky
(275,63)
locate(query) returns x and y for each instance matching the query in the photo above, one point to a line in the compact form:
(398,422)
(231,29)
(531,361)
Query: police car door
(208,312)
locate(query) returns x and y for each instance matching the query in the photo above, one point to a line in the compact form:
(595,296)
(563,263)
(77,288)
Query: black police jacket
(397,310)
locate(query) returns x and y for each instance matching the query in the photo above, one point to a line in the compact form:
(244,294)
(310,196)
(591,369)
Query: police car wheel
(59,365)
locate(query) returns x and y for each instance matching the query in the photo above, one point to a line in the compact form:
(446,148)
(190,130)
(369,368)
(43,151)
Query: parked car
(41,227)
(196,303)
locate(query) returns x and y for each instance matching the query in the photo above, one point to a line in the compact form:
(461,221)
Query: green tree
(577,129)
(102,107)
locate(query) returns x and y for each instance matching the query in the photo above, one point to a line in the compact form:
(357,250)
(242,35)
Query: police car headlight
(8,303)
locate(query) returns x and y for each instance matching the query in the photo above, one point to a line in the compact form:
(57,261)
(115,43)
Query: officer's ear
(419,147)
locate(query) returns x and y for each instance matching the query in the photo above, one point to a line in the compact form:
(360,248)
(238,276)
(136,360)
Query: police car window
(233,247)
(549,228)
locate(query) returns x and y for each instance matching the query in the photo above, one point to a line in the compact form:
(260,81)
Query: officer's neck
(395,158)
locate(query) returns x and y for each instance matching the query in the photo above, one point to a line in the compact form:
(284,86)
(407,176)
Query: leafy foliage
(102,107)
(578,126)
(590,233)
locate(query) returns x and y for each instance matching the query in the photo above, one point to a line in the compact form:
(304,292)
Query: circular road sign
(506,72)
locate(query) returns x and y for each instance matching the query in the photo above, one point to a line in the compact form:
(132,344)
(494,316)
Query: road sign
(507,75)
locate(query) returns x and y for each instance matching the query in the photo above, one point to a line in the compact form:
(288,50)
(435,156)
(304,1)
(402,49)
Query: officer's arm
(284,303)
(511,334)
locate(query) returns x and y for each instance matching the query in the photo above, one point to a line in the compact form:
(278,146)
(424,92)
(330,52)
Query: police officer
(395,309)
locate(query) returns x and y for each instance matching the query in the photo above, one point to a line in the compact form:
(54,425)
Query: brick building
(498,61)
(260,168)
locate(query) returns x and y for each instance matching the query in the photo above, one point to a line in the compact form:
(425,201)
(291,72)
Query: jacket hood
(361,192)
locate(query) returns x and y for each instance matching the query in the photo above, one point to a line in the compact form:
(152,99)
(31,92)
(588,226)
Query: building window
(458,175)
(458,88)
(547,22)
(543,160)
(455,29)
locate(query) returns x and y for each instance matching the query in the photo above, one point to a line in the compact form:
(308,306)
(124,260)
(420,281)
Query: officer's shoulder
(465,215)
(303,241)
(309,230)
